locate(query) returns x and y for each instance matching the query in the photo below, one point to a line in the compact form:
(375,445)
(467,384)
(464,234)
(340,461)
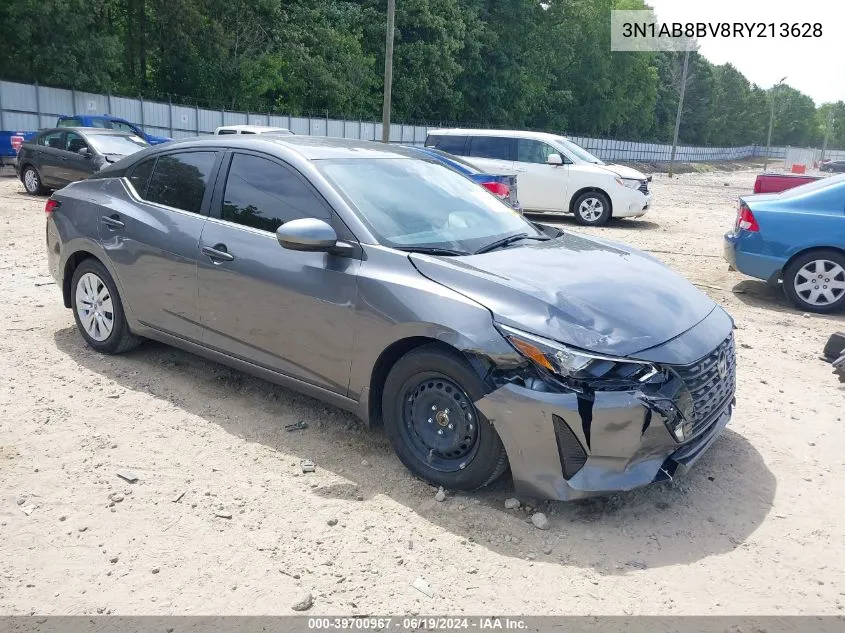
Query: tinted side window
(451,144)
(52,139)
(179,180)
(70,123)
(491,147)
(264,195)
(140,177)
(529,151)
(123,127)
(227,132)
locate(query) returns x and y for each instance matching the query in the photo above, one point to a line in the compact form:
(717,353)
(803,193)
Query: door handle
(218,252)
(113,222)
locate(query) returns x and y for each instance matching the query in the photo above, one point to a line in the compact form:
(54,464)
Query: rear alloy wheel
(592,208)
(32,181)
(98,311)
(433,425)
(815,281)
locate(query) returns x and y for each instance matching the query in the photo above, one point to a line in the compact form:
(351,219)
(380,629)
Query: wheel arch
(590,189)
(385,362)
(72,263)
(806,250)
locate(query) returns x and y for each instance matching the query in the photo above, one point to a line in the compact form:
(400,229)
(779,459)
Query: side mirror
(554,159)
(307,234)
(84,151)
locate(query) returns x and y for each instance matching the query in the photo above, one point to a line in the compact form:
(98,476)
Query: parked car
(252,129)
(775,183)
(555,175)
(109,122)
(397,289)
(833,166)
(10,143)
(504,187)
(796,237)
(58,156)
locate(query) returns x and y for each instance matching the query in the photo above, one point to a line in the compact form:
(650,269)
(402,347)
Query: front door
(542,187)
(154,241)
(285,310)
(75,165)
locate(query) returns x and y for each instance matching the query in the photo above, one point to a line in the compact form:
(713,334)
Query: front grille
(709,390)
(644,186)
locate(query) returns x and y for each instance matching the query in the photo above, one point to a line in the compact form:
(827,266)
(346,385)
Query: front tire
(98,311)
(433,425)
(592,208)
(815,281)
(32,181)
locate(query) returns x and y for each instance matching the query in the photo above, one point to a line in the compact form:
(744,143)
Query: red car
(775,183)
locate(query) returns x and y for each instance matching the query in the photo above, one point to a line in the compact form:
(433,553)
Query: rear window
(140,177)
(70,123)
(495,147)
(226,132)
(179,180)
(451,144)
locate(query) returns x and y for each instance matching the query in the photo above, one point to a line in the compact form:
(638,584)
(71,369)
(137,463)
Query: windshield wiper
(510,240)
(431,250)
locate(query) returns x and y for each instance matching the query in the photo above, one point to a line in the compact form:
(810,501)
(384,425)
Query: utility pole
(680,108)
(771,122)
(827,133)
(388,71)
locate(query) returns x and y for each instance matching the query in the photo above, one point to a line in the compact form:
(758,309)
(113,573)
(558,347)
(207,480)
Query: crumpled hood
(595,295)
(625,172)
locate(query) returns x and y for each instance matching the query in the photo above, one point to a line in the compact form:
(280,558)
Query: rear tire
(433,425)
(592,208)
(31,180)
(815,281)
(98,311)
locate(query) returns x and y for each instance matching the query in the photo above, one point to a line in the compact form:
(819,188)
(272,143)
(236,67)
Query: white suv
(554,174)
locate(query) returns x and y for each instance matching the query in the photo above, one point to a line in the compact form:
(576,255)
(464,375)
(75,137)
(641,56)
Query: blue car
(111,123)
(502,186)
(796,237)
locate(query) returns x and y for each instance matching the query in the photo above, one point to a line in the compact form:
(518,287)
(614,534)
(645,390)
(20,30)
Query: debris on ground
(127,475)
(512,504)
(423,587)
(441,495)
(540,521)
(308,466)
(297,427)
(332,522)
(303,602)
(178,497)
(223,514)
(27,510)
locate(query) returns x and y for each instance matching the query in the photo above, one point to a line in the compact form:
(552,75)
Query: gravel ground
(222,521)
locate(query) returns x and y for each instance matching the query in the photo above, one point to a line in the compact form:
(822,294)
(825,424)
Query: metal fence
(26,107)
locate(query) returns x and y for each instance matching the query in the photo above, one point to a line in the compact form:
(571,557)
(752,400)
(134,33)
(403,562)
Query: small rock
(223,514)
(806,315)
(83,528)
(113,559)
(127,475)
(745,346)
(21,501)
(308,466)
(63,518)
(512,504)
(637,564)
(155,570)
(332,522)
(359,497)
(540,521)
(547,550)
(303,602)
(116,497)
(441,495)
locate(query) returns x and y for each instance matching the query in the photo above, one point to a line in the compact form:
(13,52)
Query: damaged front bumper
(562,448)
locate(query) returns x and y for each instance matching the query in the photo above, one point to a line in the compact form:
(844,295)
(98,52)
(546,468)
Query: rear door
(153,241)
(542,187)
(492,154)
(285,310)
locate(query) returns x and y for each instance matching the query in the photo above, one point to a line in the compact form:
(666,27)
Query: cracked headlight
(578,365)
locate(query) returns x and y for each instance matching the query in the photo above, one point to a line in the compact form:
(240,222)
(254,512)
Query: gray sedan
(391,286)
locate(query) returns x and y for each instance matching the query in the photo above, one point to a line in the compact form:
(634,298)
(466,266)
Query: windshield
(578,151)
(416,203)
(113,144)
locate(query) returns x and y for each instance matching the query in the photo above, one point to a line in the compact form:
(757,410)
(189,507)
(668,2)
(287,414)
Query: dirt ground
(756,528)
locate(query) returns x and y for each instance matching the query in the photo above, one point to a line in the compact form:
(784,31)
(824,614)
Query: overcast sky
(816,67)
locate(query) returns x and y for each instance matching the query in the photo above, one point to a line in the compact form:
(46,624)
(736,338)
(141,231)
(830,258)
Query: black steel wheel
(433,425)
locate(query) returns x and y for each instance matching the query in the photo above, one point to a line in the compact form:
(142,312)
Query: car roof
(109,117)
(90,131)
(537,136)
(309,147)
(254,128)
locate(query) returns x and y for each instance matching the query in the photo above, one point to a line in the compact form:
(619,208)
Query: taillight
(16,141)
(498,189)
(745,220)
(51,206)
